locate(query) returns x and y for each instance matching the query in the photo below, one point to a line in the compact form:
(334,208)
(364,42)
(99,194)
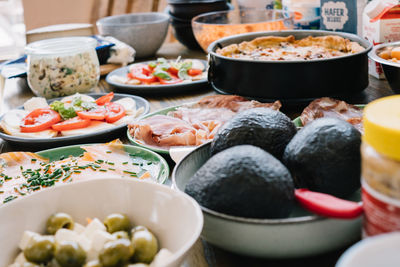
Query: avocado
(324,156)
(244,181)
(268,129)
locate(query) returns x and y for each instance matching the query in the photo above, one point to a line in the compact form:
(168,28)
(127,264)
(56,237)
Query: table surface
(15,92)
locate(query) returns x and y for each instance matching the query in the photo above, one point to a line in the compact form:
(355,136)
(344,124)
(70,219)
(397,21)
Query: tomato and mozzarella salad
(73,115)
(163,72)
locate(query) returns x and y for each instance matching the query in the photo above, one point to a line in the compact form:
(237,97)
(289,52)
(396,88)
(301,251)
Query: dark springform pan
(390,68)
(288,80)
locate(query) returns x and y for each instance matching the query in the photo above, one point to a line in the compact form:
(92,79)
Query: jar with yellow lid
(380,152)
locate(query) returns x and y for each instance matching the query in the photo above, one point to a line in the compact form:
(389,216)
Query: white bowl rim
(237,219)
(349,253)
(179,253)
(372,54)
(250,10)
(162,17)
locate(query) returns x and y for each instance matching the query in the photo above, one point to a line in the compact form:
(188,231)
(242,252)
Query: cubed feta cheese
(85,243)
(66,235)
(92,227)
(160,258)
(26,238)
(79,228)
(100,238)
(20,259)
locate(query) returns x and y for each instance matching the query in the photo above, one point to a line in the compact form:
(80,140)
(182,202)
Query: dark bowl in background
(289,81)
(183,32)
(190,8)
(390,69)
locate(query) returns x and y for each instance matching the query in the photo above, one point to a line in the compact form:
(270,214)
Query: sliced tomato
(173,71)
(105,99)
(39,119)
(194,72)
(71,124)
(95,114)
(114,112)
(142,73)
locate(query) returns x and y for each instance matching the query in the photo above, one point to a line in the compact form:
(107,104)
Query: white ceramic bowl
(381,250)
(174,217)
(302,234)
(145,32)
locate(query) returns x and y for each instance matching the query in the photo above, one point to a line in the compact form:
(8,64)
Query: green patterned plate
(76,150)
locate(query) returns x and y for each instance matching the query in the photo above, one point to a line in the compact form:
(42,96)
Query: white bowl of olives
(102,222)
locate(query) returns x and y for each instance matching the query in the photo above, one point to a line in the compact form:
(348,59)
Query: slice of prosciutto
(192,125)
(333,108)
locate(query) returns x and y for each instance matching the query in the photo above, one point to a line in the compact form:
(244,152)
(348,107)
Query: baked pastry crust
(288,48)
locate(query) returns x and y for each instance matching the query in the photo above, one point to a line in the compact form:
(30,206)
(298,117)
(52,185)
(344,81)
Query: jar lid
(381,121)
(63,45)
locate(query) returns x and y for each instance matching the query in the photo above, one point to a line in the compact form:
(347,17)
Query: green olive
(121,234)
(59,220)
(138,228)
(116,253)
(69,254)
(94,263)
(145,245)
(40,249)
(117,222)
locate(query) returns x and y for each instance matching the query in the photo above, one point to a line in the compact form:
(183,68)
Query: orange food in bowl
(395,53)
(210,27)
(391,53)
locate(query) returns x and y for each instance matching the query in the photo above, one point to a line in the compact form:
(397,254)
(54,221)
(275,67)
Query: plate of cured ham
(189,125)
(329,107)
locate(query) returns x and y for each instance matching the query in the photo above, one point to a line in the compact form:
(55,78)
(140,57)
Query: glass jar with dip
(380,152)
(62,66)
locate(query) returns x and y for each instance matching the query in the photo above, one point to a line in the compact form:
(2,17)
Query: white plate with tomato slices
(71,120)
(161,76)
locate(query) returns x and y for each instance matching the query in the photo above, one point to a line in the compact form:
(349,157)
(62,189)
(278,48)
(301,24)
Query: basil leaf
(65,113)
(152,65)
(162,74)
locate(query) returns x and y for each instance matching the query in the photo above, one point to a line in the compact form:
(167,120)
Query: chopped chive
(77,171)
(111,169)
(9,198)
(108,151)
(102,170)
(130,172)
(33,160)
(125,162)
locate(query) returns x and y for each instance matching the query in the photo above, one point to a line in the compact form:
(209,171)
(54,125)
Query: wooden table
(16,92)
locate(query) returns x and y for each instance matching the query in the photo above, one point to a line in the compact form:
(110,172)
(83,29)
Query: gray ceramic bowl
(302,234)
(145,32)
(390,68)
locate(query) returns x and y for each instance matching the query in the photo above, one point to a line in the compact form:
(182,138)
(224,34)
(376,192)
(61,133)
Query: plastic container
(381,166)
(306,12)
(212,26)
(62,66)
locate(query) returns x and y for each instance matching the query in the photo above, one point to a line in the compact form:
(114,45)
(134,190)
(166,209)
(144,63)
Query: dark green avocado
(268,129)
(244,181)
(324,156)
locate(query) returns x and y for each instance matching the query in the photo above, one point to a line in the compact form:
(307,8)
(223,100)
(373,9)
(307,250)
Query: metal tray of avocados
(288,80)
